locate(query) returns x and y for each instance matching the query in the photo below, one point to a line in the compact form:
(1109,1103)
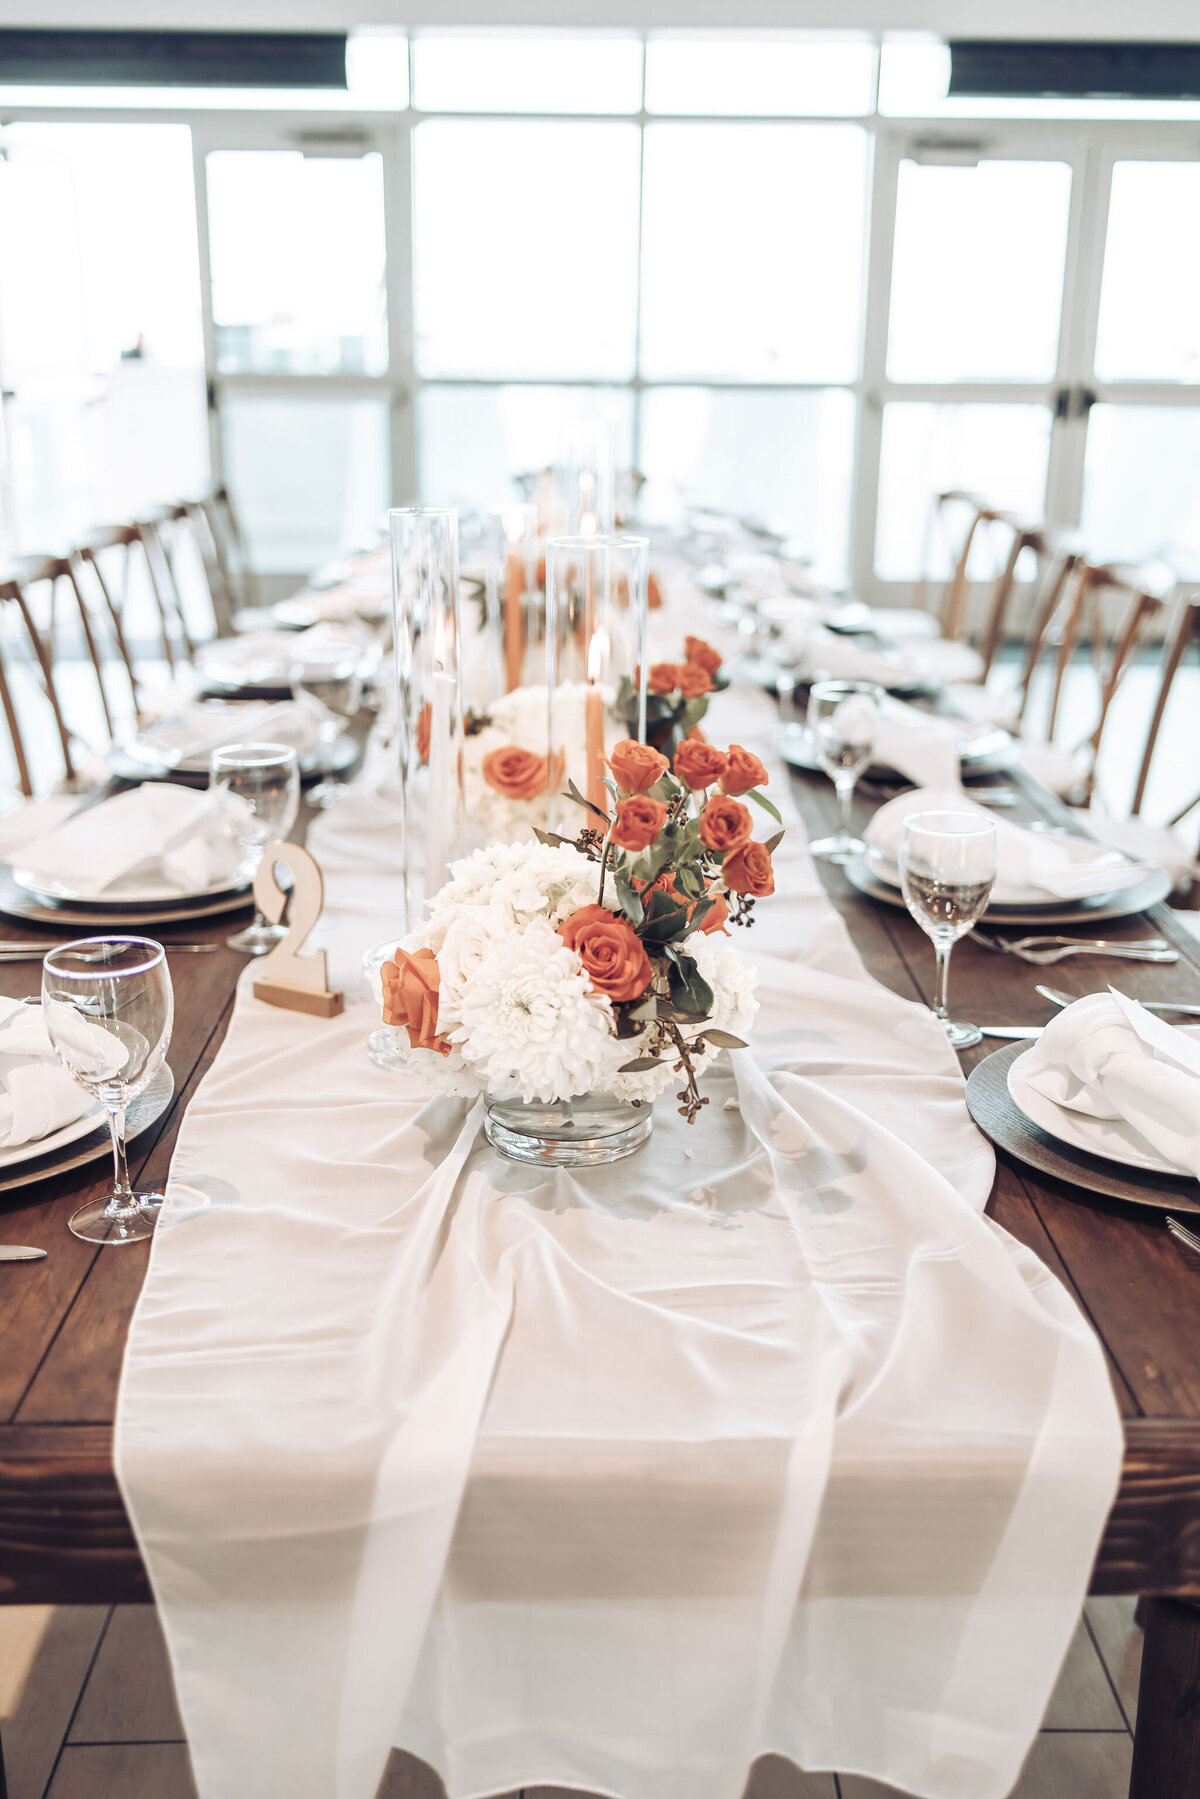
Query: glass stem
(122,1198)
(845,796)
(941,999)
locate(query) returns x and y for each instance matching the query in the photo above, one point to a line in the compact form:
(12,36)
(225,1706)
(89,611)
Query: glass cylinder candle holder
(595,664)
(429,718)
(583,487)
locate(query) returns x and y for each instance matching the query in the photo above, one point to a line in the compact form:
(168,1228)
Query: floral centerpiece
(573,982)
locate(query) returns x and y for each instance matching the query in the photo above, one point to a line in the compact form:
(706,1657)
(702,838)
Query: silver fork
(1182,1235)
(1058,998)
(1042,951)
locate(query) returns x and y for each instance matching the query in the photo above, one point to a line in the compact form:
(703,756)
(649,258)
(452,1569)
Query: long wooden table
(64,1534)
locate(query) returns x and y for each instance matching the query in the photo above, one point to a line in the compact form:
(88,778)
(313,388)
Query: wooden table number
(285,977)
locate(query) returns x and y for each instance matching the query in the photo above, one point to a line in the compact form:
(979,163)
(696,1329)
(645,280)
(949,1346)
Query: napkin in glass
(1108,1057)
(37,1095)
(174,833)
(1036,862)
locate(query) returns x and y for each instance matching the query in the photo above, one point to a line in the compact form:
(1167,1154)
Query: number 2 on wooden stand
(286,978)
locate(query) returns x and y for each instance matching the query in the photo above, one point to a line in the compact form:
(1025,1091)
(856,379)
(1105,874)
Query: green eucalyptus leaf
(760,799)
(701,912)
(640,1066)
(773,843)
(665,918)
(689,990)
(580,800)
(724,1040)
(631,903)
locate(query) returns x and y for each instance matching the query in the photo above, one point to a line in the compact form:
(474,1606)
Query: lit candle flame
(598,651)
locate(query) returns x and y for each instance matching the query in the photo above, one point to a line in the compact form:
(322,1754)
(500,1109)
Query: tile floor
(87,1712)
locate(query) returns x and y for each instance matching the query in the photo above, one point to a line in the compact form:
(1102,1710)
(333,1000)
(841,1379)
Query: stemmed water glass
(330,672)
(843,718)
(947,867)
(257,786)
(108,1006)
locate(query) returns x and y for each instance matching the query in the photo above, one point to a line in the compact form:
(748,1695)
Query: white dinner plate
(132,889)
(46,1146)
(1079,850)
(1153,888)
(1110,1137)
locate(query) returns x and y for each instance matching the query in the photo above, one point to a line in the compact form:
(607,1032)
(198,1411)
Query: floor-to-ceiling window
(782,271)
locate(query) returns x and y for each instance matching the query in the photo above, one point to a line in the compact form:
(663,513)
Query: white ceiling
(1173,20)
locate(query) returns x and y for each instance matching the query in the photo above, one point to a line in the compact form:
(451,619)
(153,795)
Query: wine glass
(843,718)
(330,672)
(108,1006)
(947,867)
(258,791)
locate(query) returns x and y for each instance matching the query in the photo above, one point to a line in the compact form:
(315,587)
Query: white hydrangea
(731,978)
(532,1025)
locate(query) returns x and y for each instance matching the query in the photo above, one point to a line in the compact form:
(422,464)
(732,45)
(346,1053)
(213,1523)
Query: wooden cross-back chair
(958,521)
(1140,594)
(1184,634)
(107,561)
(216,523)
(38,643)
(1055,551)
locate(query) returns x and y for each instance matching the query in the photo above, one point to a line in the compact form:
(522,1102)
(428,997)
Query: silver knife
(1019,1031)
(19,1252)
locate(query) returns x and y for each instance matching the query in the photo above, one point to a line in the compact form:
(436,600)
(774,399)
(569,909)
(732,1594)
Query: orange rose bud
(654,597)
(635,766)
(699,764)
(692,681)
(714,918)
(610,950)
(695,735)
(749,870)
(743,771)
(423,721)
(725,825)
(516,773)
(638,822)
(663,677)
(702,654)
(410,997)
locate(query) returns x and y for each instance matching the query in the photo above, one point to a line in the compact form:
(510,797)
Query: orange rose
(410,997)
(743,772)
(725,825)
(699,764)
(654,598)
(635,766)
(714,918)
(695,735)
(702,654)
(663,678)
(423,731)
(610,950)
(639,820)
(692,681)
(748,870)
(518,774)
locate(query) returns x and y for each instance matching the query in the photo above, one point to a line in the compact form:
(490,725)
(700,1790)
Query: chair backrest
(16,610)
(960,524)
(231,558)
(1046,544)
(1185,632)
(1140,594)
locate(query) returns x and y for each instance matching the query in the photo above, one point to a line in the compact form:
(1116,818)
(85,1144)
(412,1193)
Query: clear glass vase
(583,1132)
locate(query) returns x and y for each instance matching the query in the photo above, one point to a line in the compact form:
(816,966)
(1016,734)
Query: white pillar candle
(441,799)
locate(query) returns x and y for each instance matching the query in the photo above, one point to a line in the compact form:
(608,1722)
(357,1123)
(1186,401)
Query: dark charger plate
(998,1116)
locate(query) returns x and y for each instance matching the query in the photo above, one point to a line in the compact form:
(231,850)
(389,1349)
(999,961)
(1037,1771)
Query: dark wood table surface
(64,1534)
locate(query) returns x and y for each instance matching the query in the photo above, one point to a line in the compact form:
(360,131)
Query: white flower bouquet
(550,969)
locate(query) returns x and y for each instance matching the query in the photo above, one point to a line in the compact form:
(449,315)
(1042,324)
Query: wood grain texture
(63,1530)
(1166,1750)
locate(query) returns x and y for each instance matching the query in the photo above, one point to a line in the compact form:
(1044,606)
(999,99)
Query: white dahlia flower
(532,1024)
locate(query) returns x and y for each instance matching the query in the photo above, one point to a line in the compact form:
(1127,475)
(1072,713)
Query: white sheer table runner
(764,1439)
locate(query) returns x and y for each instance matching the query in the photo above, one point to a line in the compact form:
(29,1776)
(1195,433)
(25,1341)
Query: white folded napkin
(208,725)
(37,1095)
(31,819)
(920,746)
(174,833)
(821,652)
(1029,864)
(1108,1057)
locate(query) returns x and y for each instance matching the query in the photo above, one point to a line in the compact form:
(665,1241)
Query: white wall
(1177,20)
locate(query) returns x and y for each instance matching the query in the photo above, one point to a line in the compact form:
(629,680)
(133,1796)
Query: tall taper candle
(514,619)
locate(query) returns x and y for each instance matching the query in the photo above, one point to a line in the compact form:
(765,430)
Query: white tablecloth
(764,1439)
